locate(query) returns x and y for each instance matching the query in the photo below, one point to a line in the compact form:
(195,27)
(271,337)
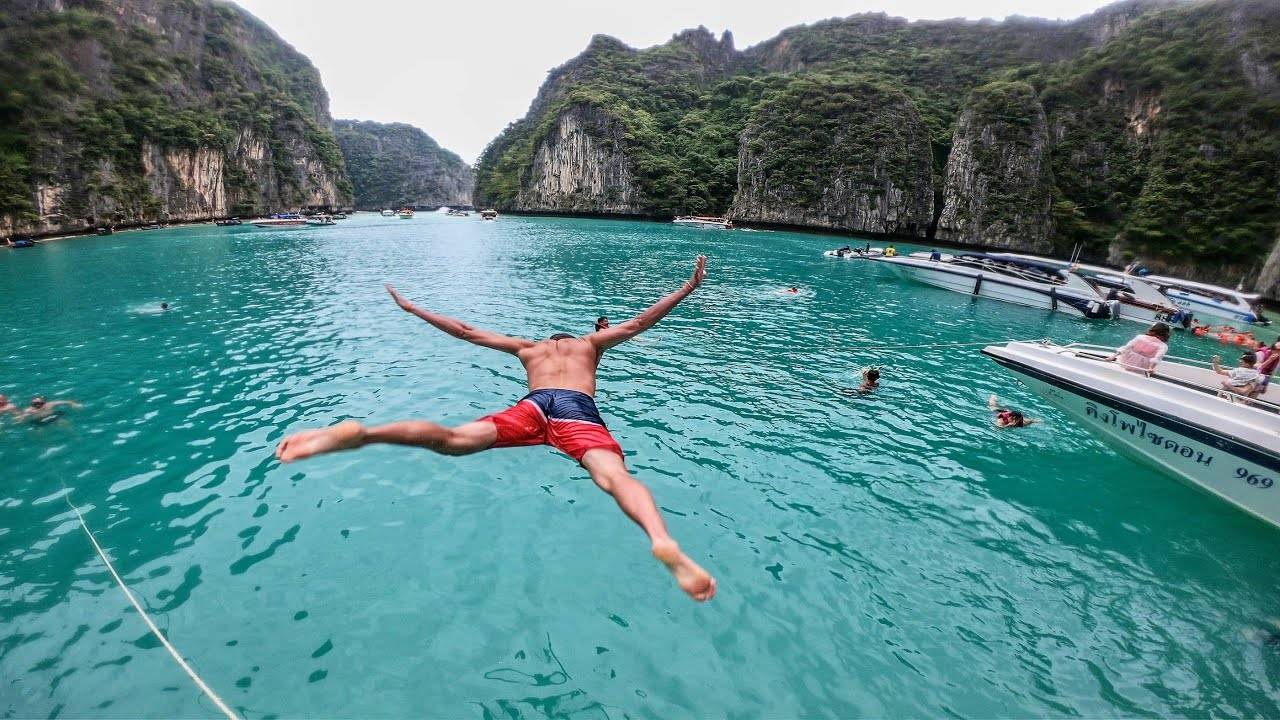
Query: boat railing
(1270,402)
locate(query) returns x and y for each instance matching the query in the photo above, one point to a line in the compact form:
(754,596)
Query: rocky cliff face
(1147,129)
(865,164)
(997,190)
(393,165)
(116,112)
(579,166)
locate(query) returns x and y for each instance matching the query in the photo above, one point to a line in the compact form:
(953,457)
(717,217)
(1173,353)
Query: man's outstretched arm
(622,332)
(461,330)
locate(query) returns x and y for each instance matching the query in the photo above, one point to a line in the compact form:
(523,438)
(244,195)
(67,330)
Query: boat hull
(1234,470)
(996,288)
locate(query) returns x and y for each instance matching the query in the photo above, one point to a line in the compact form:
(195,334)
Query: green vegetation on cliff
(1163,120)
(397,164)
(88,85)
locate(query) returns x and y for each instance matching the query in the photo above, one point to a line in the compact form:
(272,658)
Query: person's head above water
(1159,330)
(872,375)
(164,306)
(793,289)
(562,336)
(38,402)
(602,322)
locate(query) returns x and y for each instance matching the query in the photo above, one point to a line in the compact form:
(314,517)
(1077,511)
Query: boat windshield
(1036,272)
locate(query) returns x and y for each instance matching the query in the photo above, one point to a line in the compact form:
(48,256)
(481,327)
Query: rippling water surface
(891,555)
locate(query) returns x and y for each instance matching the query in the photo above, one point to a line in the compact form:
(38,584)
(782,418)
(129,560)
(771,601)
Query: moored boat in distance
(321,220)
(226,222)
(855,253)
(452,212)
(704,221)
(388,212)
(405,213)
(1139,300)
(1020,282)
(1175,418)
(489,214)
(1207,300)
(281,220)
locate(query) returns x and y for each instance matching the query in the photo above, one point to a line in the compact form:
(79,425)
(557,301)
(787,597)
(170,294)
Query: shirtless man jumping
(558,411)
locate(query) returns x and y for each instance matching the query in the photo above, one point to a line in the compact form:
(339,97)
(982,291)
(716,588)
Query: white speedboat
(282,220)
(1014,281)
(388,212)
(321,220)
(704,221)
(1175,418)
(858,253)
(1140,301)
(489,214)
(405,213)
(1211,300)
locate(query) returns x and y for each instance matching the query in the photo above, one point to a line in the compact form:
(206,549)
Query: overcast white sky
(462,70)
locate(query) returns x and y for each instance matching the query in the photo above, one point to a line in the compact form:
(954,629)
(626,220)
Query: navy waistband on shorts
(557,404)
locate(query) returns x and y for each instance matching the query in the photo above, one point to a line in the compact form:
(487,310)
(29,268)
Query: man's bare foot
(343,436)
(695,581)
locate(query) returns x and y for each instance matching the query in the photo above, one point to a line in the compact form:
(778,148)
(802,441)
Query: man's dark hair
(873,375)
(1159,330)
(1249,357)
(562,336)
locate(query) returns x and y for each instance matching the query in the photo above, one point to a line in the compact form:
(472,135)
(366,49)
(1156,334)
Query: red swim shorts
(567,420)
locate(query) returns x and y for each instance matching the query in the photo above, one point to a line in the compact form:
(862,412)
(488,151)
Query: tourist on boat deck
(1144,352)
(602,323)
(1267,366)
(1006,418)
(870,380)
(934,255)
(890,251)
(1242,380)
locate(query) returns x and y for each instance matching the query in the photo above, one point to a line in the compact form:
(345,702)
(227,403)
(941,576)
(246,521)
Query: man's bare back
(568,363)
(559,411)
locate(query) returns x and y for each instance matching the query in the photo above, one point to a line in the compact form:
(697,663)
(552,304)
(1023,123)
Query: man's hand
(400,299)
(699,273)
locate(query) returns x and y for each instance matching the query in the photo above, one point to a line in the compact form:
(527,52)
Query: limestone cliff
(997,187)
(579,166)
(836,152)
(118,112)
(393,165)
(1153,131)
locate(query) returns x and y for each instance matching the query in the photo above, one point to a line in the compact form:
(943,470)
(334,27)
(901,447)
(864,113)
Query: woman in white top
(1142,353)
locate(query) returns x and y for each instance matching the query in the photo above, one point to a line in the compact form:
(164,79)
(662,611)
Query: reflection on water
(891,554)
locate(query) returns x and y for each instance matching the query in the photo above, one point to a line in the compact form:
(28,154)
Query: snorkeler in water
(559,411)
(870,380)
(1006,418)
(42,410)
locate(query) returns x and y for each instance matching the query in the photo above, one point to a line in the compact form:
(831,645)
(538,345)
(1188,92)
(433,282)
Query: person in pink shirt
(1142,353)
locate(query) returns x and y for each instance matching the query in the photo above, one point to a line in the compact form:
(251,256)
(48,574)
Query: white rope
(941,345)
(147,619)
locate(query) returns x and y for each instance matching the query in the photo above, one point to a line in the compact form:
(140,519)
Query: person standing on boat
(1267,367)
(1144,352)
(559,411)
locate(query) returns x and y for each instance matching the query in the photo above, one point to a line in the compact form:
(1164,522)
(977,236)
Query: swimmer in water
(793,290)
(7,407)
(164,306)
(42,410)
(602,323)
(559,411)
(1006,418)
(870,381)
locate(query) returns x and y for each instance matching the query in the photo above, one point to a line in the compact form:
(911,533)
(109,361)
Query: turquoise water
(891,555)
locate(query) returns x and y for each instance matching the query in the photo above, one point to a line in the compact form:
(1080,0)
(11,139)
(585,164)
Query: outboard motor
(1103,310)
